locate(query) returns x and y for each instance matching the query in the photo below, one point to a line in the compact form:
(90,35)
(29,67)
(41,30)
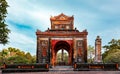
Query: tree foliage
(113,44)
(15,56)
(65,57)
(17,59)
(112,51)
(113,57)
(4,31)
(91,53)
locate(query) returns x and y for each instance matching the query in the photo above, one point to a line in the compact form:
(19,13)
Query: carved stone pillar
(55,61)
(62,55)
(70,56)
(75,51)
(37,50)
(53,58)
(98,57)
(85,50)
(48,54)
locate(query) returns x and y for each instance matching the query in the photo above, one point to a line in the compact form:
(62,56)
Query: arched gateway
(62,45)
(62,36)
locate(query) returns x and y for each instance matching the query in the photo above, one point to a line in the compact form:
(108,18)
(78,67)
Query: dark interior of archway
(62,45)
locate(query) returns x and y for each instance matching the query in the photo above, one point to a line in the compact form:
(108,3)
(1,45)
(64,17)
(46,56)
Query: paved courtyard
(71,72)
(66,70)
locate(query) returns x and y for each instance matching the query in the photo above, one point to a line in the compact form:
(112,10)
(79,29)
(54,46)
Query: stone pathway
(73,72)
(0,72)
(61,68)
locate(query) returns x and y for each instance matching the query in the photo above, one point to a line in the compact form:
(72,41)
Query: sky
(99,17)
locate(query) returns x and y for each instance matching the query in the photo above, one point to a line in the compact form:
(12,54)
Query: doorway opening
(62,57)
(62,53)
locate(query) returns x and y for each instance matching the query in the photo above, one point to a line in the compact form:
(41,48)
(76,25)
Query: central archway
(63,46)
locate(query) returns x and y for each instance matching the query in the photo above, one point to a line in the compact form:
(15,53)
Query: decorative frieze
(61,38)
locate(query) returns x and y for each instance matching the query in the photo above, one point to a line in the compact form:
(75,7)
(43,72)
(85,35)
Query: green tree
(65,57)
(17,60)
(113,44)
(91,53)
(14,56)
(113,57)
(12,51)
(112,51)
(28,57)
(4,31)
(33,59)
(3,56)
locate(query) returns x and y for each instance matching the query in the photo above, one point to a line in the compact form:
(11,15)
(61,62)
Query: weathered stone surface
(71,72)
(98,56)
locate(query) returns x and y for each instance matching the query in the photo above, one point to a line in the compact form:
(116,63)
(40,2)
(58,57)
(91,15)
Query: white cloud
(20,38)
(28,14)
(21,41)
(89,15)
(20,14)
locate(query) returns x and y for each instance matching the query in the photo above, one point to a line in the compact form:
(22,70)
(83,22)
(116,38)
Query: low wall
(25,67)
(99,66)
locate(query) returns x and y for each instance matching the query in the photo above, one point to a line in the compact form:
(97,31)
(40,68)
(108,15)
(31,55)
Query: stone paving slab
(71,72)
(0,72)
(61,68)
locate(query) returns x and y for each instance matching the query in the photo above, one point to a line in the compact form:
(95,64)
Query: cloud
(25,17)
(20,38)
(34,16)
(22,42)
